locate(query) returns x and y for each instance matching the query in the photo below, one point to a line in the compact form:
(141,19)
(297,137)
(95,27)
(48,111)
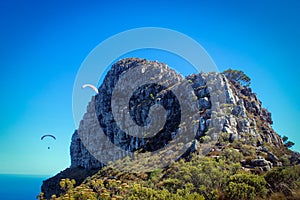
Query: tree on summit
(287,143)
(285,139)
(237,76)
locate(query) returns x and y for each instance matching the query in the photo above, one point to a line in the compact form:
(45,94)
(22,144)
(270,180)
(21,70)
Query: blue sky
(43,44)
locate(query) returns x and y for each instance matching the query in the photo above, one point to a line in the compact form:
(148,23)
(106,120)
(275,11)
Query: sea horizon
(21,186)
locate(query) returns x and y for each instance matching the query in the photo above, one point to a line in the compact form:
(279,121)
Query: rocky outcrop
(226,109)
(295,158)
(80,156)
(140,103)
(227,112)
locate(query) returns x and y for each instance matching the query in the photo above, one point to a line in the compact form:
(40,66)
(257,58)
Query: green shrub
(238,191)
(232,155)
(245,186)
(138,193)
(248,150)
(284,179)
(206,176)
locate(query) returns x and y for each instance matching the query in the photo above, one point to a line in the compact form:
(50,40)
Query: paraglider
(48,135)
(90,86)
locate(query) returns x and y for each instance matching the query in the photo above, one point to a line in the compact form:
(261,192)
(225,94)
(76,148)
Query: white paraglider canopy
(90,86)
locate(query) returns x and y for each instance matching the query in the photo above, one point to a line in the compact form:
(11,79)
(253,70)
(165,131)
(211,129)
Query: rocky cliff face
(80,156)
(228,113)
(225,107)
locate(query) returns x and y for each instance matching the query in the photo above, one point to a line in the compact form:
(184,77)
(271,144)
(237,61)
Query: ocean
(20,187)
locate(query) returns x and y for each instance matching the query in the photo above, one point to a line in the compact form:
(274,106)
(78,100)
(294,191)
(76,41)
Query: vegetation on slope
(198,178)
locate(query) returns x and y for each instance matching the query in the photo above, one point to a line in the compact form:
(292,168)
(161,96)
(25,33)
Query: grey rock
(233,137)
(195,146)
(260,157)
(80,156)
(207,122)
(266,168)
(202,124)
(243,125)
(204,103)
(271,157)
(277,164)
(259,162)
(239,109)
(246,91)
(256,107)
(295,158)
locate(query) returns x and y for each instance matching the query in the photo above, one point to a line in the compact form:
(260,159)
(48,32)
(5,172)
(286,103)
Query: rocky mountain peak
(227,110)
(229,116)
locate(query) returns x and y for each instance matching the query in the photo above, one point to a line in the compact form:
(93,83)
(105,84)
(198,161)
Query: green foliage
(85,194)
(232,155)
(245,186)
(284,179)
(285,160)
(155,175)
(284,139)
(248,150)
(287,143)
(137,193)
(201,175)
(67,184)
(205,139)
(240,191)
(40,196)
(151,96)
(199,178)
(237,76)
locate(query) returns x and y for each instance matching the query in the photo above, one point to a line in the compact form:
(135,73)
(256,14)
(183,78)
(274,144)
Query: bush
(248,150)
(245,186)
(240,191)
(232,155)
(199,178)
(203,175)
(284,179)
(138,193)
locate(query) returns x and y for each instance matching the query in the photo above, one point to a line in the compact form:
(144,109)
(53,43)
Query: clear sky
(43,43)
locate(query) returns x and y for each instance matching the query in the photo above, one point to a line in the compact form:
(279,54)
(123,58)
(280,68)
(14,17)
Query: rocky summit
(229,117)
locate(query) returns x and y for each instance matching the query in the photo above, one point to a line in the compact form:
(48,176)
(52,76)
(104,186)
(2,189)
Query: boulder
(271,157)
(259,162)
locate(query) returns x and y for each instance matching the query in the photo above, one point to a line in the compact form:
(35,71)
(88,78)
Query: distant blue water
(20,187)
